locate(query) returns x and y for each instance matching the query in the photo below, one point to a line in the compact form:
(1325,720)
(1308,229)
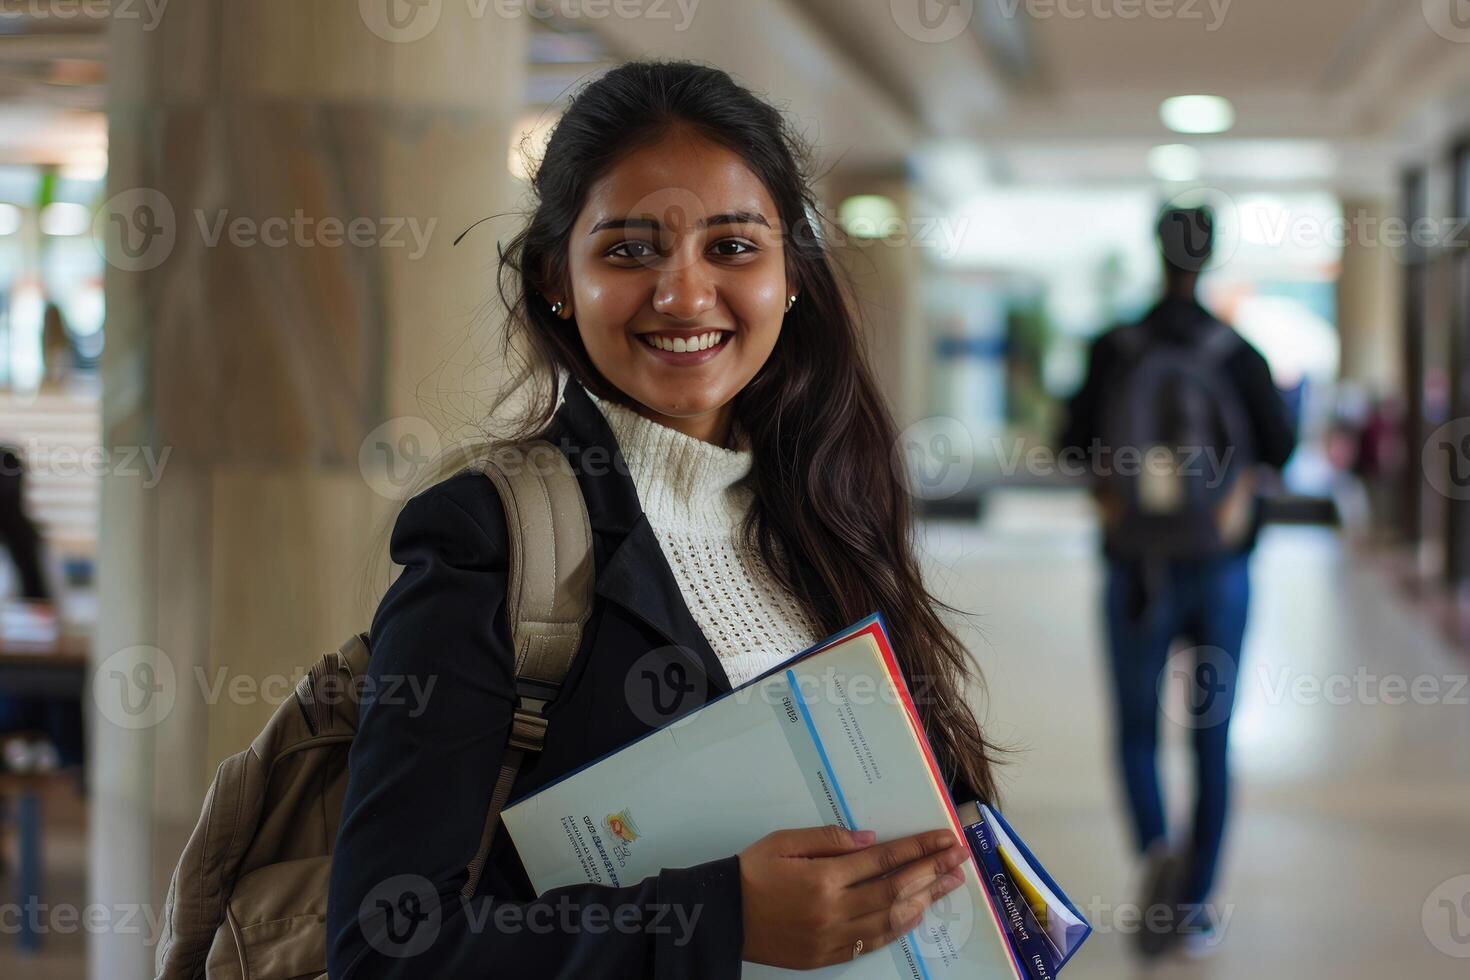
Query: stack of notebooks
(830,735)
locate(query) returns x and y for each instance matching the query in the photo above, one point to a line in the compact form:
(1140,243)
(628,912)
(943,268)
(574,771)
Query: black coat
(423,767)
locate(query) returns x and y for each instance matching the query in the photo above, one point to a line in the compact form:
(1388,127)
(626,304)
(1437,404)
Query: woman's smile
(685,347)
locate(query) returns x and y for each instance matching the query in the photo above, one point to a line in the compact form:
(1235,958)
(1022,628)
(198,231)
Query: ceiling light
(1175,162)
(1197,114)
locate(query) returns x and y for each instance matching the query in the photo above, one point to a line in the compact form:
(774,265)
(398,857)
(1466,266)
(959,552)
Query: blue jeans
(1204,602)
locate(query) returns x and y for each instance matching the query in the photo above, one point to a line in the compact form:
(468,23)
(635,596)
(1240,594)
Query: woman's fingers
(827,840)
(881,927)
(876,894)
(892,855)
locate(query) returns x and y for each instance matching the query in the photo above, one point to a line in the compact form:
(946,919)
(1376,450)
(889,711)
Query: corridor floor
(1349,850)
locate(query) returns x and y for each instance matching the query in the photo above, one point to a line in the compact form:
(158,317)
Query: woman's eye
(742,248)
(631,250)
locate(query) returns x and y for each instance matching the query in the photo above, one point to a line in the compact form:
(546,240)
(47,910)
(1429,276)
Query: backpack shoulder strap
(549,598)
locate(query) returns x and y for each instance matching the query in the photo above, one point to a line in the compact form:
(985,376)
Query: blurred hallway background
(234,325)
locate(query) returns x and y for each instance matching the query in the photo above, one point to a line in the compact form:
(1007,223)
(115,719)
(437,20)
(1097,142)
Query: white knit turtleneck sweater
(688,489)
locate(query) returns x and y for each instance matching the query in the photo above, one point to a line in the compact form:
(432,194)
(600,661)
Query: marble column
(284,308)
(1369,304)
(885,262)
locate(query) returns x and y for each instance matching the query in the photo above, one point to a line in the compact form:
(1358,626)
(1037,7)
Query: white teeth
(680,345)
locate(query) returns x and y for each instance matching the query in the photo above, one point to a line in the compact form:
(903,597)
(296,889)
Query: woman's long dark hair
(829,489)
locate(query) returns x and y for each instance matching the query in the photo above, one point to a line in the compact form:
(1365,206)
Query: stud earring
(556,308)
(790,300)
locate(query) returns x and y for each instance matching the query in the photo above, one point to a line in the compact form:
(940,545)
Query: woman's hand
(809,894)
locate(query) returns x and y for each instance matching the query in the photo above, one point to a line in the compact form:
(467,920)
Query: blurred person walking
(1175,419)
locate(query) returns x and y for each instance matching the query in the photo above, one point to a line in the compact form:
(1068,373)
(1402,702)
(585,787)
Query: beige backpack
(248,898)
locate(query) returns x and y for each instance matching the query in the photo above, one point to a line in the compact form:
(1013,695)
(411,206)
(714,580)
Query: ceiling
(1051,90)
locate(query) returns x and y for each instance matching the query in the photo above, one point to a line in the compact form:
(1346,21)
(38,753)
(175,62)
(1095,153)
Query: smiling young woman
(671,287)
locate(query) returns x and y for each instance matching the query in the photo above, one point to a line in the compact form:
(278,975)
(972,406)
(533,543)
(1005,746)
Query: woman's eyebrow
(729,218)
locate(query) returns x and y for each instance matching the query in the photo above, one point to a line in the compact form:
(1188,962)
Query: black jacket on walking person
(422,768)
(1179,320)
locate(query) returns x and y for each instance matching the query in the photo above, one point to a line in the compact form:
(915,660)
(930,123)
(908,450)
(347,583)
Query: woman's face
(679,245)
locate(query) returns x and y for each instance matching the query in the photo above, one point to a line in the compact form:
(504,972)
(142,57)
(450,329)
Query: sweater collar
(683,482)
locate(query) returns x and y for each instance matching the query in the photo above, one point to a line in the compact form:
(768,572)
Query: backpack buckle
(528,723)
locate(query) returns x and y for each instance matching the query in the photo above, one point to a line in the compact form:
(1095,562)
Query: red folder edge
(880,636)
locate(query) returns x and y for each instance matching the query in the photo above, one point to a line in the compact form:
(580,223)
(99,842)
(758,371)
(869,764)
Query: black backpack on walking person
(1177,480)
(248,898)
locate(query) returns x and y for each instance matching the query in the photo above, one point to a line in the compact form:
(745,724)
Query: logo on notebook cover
(622,826)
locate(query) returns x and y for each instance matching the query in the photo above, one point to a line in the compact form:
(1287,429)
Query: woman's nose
(684,292)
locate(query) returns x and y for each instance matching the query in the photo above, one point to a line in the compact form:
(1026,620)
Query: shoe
(1199,931)
(1163,882)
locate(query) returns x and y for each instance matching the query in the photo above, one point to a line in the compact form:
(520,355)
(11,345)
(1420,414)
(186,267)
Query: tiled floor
(1353,812)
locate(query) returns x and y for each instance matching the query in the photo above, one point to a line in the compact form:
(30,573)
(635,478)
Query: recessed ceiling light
(869,216)
(1197,114)
(1176,162)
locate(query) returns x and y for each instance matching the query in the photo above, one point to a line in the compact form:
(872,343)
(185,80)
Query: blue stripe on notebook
(806,716)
